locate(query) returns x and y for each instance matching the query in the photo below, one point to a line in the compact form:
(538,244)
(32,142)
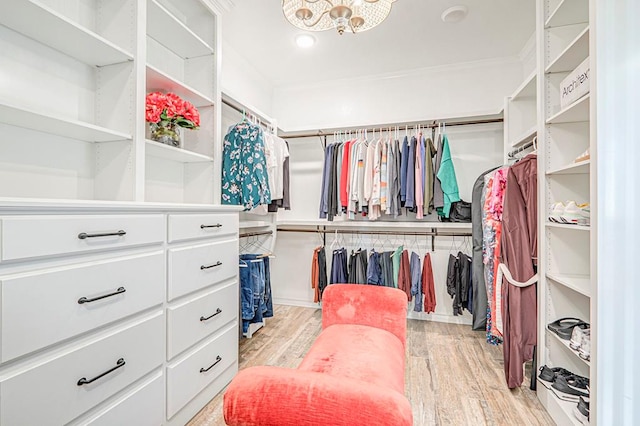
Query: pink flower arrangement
(164,109)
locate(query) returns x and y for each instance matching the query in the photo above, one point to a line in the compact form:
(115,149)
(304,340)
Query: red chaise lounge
(353,374)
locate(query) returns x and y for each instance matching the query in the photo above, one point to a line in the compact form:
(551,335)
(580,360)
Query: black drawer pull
(218,359)
(217,225)
(217,312)
(218,263)
(120,290)
(84,381)
(84,235)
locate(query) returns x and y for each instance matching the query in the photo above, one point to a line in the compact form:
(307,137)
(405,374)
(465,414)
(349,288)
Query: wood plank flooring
(452,376)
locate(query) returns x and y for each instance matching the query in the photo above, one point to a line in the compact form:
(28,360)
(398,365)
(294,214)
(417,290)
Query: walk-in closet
(319,212)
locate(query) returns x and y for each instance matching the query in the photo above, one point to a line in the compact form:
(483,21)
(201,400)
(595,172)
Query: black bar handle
(217,225)
(84,235)
(218,359)
(84,381)
(217,312)
(218,263)
(120,290)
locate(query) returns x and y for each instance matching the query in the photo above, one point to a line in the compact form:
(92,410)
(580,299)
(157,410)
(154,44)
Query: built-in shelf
(573,55)
(253,224)
(525,137)
(47,123)
(568,226)
(580,168)
(576,112)
(169,31)
(373,224)
(159,81)
(568,12)
(167,152)
(527,89)
(561,411)
(578,283)
(565,343)
(50,28)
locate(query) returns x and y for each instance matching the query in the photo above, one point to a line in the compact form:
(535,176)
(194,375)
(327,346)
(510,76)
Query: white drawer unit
(193,226)
(195,267)
(57,391)
(189,375)
(36,236)
(193,320)
(138,407)
(43,307)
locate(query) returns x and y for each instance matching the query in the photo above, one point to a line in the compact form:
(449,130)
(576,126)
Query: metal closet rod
(431,125)
(520,149)
(246,111)
(255,234)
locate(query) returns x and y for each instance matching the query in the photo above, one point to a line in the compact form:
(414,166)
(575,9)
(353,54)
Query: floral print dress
(244,167)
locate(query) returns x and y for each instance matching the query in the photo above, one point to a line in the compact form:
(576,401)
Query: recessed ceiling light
(454,14)
(305,41)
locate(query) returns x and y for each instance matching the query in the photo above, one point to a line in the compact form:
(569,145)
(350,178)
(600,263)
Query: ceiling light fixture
(305,41)
(352,15)
(454,14)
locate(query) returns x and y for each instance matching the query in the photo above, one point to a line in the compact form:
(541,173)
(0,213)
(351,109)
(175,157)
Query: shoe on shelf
(576,214)
(577,337)
(583,157)
(581,411)
(585,346)
(564,327)
(548,375)
(557,209)
(571,388)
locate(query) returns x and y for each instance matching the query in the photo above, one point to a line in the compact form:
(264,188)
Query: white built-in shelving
(167,152)
(157,80)
(521,123)
(566,252)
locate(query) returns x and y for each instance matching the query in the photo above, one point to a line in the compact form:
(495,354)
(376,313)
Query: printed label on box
(576,85)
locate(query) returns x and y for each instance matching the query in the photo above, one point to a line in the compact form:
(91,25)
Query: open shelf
(565,343)
(580,168)
(47,123)
(173,34)
(48,27)
(577,283)
(568,12)
(573,55)
(157,80)
(568,226)
(527,89)
(577,111)
(561,411)
(160,150)
(525,137)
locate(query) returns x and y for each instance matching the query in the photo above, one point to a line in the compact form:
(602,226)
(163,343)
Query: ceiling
(412,37)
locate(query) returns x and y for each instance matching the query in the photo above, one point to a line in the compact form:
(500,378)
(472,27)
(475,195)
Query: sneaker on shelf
(585,346)
(563,327)
(583,157)
(577,336)
(571,388)
(576,214)
(557,209)
(548,375)
(581,411)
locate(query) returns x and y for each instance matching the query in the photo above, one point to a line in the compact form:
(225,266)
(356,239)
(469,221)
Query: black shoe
(564,327)
(548,375)
(571,388)
(581,411)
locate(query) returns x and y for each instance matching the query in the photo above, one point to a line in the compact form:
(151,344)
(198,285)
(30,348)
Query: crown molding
(221,6)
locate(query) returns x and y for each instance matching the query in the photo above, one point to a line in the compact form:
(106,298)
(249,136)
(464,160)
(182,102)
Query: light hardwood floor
(452,376)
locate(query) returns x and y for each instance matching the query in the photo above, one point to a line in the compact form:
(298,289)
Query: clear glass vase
(168,134)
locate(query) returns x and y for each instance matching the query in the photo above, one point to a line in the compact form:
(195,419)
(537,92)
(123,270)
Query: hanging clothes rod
(255,234)
(392,127)
(524,147)
(236,106)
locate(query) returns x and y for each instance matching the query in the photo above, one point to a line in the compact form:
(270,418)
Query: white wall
(449,91)
(244,82)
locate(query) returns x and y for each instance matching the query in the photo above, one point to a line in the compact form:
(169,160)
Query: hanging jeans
(339,267)
(268,299)
(374,271)
(252,290)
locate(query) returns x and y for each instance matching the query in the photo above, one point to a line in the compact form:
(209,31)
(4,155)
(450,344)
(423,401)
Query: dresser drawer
(195,267)
(34,236)
(49,393)
(195,319)
(143,406)
(188,376)
(193,226)
(43,307)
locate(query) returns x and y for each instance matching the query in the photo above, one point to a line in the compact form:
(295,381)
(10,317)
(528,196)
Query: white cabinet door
(44,307)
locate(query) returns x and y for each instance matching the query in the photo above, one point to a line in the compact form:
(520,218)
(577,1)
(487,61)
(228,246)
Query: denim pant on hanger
(252,284)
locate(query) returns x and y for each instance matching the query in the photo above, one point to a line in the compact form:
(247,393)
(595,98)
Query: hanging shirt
(430,151)
(416,278)
(404,275)
(419,178)
(344,175)
(428,287)
(244,167)
(404,161)
(324,197)
(438,195)
(272,162)
(411,175)
(384,175)
(447,177)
